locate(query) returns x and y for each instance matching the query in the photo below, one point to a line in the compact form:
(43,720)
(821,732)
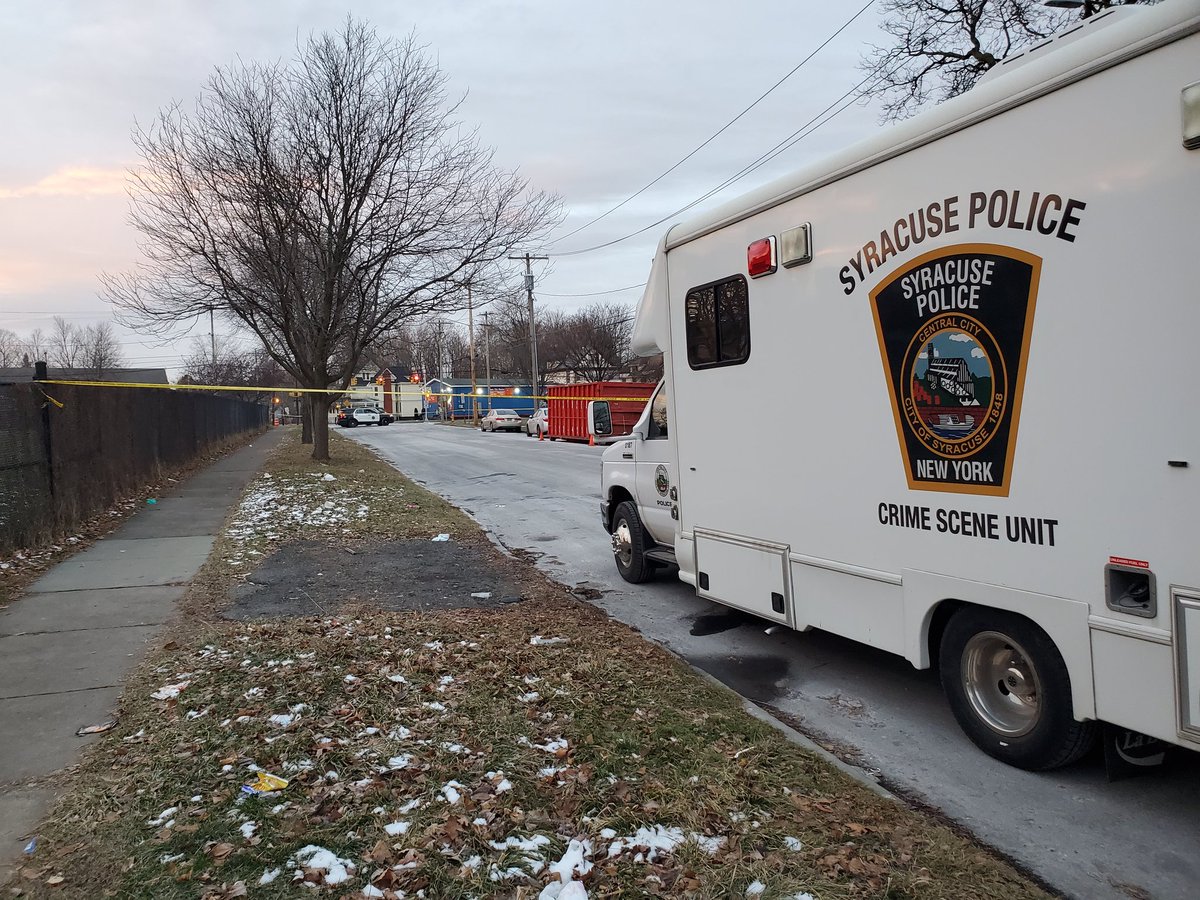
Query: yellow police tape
(372,391)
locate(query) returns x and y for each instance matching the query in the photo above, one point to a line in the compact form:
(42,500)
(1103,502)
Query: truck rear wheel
(1010,691)
(629,545)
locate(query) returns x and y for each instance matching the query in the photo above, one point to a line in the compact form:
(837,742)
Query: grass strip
(462,754)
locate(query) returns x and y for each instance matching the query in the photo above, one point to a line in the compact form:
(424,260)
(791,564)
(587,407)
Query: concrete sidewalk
(67,644)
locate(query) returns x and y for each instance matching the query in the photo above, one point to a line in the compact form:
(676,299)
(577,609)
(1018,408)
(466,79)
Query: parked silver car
(538,423)
(501,420)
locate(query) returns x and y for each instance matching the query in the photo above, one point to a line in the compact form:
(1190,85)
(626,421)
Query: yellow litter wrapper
(265,783)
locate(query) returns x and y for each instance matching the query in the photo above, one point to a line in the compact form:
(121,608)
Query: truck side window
(658,415)
(718,324)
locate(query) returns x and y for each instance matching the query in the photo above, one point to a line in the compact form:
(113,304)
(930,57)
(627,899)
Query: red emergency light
(760,257)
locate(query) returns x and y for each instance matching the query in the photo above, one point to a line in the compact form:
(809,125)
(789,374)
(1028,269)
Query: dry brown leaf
(219,852)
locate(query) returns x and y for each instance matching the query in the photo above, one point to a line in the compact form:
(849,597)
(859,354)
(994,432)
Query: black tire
(980,645)
(634,567)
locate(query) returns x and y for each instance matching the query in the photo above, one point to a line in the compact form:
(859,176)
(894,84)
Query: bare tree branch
(942,47)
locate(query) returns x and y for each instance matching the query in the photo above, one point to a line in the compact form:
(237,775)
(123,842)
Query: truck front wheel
(629,544)
(1010,690)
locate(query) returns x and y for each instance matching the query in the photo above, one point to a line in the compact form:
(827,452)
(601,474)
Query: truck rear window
(718,324)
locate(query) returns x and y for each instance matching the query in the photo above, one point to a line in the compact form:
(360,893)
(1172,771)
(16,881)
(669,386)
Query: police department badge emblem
(954,328)
(662,481)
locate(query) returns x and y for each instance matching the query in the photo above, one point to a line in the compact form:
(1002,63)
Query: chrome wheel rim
(1001,683)
(622,543)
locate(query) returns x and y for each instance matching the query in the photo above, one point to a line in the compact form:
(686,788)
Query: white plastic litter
(441,537)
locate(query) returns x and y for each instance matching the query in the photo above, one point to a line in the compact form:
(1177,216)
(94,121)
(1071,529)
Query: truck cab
(640,506)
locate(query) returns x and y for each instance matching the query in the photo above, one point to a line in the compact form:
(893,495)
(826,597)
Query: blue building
(453,396)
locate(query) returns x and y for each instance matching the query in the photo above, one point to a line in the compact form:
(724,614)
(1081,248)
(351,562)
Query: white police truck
(985,322)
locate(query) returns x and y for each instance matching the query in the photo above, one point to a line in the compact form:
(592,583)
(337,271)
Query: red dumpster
(567,417)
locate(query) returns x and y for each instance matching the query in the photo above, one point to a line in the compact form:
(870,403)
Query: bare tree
(99,348)
(321,204)
(234,366)
(942,47)
(36,346)
(594,341)
(12,348)
(64,344)
(71,346)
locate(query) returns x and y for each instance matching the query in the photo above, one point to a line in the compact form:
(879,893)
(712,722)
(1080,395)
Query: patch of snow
(709,845)
(756,889)
(793,844)
(169,691)
(556,746)
(435,706)
(163,816)
(399,762)
(336,869)
(530,697)
(328,476)
(283,720)
(410,806)
(396,828)
(248,829)
(397,679)
(440,537)
(372,892)
(169,858)
(269,875)
(450,792)
(573,862)
(538,641)
(525,845)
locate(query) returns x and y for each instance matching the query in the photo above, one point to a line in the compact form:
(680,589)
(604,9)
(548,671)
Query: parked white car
(501,420)
(538,423)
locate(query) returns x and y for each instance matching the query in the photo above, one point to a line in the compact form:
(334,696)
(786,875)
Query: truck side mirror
(599,418)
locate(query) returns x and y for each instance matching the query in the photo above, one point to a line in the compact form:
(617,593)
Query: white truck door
(655,478)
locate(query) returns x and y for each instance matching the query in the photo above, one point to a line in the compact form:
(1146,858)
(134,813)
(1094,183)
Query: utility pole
(212,337)
(532,328)
(487,356)
(471,345)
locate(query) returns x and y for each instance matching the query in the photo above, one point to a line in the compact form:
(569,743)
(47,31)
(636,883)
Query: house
(453,396)
(23,374)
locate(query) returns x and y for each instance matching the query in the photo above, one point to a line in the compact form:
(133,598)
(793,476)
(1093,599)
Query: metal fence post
(40,374)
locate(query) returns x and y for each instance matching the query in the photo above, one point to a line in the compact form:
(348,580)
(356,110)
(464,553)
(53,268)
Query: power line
(720,130)
(629,287)
(786,144)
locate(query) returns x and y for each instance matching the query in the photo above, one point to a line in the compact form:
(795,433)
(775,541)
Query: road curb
(863,777)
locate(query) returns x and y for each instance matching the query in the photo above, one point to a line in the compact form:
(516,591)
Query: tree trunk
(307,405)
(320,428)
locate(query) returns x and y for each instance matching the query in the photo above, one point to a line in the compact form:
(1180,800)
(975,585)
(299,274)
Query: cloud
(959,336)
(71,181)
(977,353)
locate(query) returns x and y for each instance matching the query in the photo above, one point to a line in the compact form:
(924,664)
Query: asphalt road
(1081,834)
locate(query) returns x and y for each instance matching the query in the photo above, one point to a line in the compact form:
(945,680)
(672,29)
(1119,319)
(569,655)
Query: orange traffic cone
(591,440)
(541,435)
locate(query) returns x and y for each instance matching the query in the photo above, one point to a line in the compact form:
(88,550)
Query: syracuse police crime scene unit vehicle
(986,321)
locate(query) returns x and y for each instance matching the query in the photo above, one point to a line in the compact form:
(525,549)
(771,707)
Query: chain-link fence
(60,465)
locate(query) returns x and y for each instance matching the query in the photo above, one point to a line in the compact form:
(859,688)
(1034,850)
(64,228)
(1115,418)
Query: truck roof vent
(1068,35)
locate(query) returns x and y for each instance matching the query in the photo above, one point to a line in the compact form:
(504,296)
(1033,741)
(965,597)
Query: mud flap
(1128,754)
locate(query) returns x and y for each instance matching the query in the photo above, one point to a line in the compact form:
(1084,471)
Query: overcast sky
(591,101)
